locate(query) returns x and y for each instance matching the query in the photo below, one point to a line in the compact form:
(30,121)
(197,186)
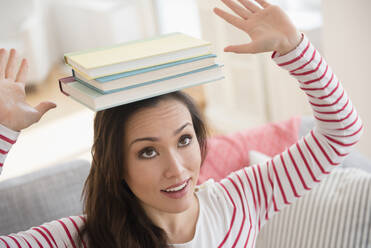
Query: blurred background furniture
(335,213)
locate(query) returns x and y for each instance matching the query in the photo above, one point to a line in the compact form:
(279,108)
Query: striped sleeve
(7,138)
(266,188)
(65,232)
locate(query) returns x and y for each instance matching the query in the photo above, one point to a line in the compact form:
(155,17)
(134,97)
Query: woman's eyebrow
(181,128)
(156,139)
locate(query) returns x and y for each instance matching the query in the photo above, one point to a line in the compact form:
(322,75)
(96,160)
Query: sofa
(336,213)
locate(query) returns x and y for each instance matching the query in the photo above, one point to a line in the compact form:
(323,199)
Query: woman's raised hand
(269,28)
(15,113)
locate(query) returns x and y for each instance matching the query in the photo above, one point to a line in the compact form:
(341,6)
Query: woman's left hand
(268,26)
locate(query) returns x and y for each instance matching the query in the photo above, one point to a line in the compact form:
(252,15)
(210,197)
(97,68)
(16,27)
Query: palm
(268,26)
(15,112)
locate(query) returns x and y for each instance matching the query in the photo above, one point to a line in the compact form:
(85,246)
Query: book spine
(65,80)
(65,60)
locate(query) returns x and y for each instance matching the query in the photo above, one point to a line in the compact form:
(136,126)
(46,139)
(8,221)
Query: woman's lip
(180,193)
(176,185)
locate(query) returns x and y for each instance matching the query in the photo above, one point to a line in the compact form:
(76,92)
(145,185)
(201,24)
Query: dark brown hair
(114,217)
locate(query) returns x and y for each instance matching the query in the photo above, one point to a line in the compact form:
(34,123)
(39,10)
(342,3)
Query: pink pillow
(228,153)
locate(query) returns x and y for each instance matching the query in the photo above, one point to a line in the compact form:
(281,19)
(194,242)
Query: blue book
(111,83)
(97,101)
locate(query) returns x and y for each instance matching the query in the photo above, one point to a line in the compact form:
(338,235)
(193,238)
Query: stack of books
(111,76)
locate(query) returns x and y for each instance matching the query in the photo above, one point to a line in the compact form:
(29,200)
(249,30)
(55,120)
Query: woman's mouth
(178,191)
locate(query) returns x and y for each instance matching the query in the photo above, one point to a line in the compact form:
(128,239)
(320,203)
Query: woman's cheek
(194,155)
(140,170)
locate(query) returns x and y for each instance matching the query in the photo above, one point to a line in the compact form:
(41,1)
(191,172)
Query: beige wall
(256,90)
(346,46)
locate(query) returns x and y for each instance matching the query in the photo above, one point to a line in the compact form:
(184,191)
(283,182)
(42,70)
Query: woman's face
(162,156)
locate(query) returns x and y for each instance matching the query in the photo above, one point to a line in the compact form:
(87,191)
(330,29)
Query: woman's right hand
(15,112)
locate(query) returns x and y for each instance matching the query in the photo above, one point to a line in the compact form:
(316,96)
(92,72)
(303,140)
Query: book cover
(137,54)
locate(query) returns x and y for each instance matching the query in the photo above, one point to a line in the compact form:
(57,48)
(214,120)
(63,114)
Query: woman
(141,190)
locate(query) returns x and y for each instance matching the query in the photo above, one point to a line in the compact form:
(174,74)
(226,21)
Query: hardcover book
(142,76)
(135,55)
(97,101)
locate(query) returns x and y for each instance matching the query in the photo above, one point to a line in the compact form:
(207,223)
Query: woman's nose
(174,165)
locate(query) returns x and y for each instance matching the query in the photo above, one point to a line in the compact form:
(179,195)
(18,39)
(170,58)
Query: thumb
(43,107)
(244,48)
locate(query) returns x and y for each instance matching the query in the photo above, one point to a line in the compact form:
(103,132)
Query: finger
(43,107)
(10,70)
(2,63)
(244,48)
(235,21)
(22,73)
(250,5)
(238,9)
(263,3)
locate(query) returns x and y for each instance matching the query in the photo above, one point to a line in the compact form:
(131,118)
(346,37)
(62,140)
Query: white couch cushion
(336,213)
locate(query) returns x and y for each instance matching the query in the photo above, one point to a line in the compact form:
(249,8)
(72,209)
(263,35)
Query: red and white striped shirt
(233,210)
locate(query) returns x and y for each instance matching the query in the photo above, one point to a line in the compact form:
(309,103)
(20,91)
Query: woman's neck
(179,227)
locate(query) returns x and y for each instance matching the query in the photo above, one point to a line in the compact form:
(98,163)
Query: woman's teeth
(180,187)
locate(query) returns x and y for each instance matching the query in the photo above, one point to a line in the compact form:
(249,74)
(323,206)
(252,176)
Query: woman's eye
(147,153)
(185,140)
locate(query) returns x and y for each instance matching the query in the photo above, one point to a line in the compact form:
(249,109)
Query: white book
(97,101)
(112,83)
(138,54)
